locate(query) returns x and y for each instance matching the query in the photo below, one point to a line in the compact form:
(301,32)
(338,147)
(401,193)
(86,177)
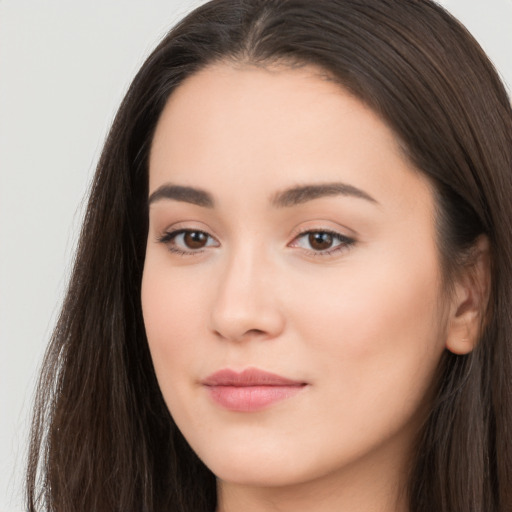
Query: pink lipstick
(250,390)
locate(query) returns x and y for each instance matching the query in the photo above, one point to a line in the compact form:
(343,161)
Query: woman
(293,283)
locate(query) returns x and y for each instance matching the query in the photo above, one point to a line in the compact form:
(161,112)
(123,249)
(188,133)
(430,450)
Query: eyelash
(168,238)
(345,242)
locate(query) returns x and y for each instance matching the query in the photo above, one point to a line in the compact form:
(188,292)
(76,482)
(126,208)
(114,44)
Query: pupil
(195,239)
(320,241)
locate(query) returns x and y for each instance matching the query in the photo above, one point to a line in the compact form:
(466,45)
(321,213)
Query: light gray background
(64,67)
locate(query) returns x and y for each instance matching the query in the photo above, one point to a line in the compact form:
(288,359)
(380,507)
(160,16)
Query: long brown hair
(102,437)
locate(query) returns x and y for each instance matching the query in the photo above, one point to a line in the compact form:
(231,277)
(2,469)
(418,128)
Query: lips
(250,390)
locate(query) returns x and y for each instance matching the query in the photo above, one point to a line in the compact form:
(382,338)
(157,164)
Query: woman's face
(289,236)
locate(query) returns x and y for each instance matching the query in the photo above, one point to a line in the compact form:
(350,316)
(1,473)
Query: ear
(469,301)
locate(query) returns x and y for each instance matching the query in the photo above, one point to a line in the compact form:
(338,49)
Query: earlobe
(470,300)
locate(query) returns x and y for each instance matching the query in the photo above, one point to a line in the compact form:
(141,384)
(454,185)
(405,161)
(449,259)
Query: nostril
(247,316)
(255,331)
(251,333)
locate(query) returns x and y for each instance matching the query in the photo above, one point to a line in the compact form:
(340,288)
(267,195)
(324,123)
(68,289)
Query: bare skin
(336,286)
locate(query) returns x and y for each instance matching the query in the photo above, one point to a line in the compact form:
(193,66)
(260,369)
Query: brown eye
(320,241)
(323,243)
(187,241)
(195,239)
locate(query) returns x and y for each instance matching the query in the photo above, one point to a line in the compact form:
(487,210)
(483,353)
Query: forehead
(222,100)
(245,126)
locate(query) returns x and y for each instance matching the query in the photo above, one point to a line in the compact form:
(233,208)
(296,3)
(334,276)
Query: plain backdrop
(64,67)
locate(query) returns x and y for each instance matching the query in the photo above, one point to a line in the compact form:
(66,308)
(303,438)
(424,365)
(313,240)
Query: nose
(246,304)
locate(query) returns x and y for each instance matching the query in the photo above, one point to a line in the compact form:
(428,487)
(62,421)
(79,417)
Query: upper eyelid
(179,231)
(325,229)
(332,231)
(185,226)
(300,232)
(340,236)
(171,234)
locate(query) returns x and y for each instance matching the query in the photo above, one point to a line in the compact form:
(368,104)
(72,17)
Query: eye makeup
(315,242)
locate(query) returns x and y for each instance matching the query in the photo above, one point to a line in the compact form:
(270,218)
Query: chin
(247,464)
(258,474)
(266,465)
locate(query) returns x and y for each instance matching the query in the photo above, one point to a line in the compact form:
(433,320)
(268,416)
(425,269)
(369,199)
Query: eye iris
(320,241)
(195,239)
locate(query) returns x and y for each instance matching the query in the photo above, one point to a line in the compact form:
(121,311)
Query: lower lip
(251,398)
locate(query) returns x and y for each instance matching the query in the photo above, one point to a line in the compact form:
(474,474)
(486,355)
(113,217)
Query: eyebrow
(285,199)
(179,193)
(302,194)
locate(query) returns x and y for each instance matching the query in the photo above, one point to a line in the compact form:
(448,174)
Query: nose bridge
(245,302)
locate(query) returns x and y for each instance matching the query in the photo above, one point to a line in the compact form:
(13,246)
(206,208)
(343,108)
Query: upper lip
(247,378)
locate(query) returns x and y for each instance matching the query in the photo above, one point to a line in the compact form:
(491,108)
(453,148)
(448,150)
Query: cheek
(172,298)
(376,328)
(172,313)
(168,307)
